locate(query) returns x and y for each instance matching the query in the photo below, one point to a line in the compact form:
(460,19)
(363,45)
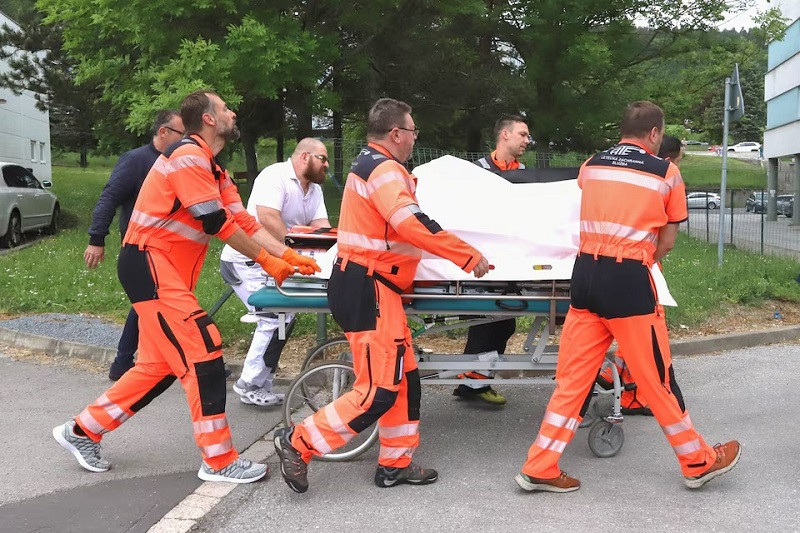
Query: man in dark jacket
(121,192)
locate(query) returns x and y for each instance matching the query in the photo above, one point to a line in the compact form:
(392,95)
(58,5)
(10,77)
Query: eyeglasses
(181,133)
(414,131)
(323,158)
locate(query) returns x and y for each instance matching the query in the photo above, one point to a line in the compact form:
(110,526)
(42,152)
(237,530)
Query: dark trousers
(491,336)
(129,340)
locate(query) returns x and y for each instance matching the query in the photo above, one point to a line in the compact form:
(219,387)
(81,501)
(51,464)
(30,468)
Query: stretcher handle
(521,306)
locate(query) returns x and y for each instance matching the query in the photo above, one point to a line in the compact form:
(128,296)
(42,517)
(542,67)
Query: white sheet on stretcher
(528,231)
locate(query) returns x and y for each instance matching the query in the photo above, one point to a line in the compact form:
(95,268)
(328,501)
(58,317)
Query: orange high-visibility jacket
(629,194)
(186,183)
(381,226)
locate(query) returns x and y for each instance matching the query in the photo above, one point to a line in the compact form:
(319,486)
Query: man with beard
(284,195)
(186,198)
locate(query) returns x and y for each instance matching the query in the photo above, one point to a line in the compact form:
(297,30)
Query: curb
(682,347)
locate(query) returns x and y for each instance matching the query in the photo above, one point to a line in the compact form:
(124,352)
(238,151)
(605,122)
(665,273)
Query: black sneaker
(118,369)
(387,476)
(293,469)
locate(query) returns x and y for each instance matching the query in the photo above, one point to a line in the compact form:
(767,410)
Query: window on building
(41,152)
(33,151)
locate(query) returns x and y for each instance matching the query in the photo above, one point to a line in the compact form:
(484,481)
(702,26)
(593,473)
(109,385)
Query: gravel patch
(76,328)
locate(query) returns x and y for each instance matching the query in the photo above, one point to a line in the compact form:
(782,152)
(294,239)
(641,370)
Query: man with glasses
(284,195)
(512,138)
(121,192)
(381,236)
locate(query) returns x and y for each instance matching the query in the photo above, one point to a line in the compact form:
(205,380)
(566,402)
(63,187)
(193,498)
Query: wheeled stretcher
(532,282)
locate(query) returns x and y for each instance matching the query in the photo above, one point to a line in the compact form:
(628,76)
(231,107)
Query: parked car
(745,147)
(25,205)
(785,205)
(756,202)
(692,142)
(702,200)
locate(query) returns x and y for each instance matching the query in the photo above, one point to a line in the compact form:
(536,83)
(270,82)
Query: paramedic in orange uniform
(512,138)
(631,206)
(186,198)
(632,401)
(381,236)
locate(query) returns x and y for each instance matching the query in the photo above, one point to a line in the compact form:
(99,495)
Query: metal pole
(720,243)
(222,299)
(322,327)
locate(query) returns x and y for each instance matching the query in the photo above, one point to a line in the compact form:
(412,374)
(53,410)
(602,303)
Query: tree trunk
(250,156)
(338,156)
(279,138)
(84,162)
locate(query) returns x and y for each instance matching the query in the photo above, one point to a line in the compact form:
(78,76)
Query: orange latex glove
(305,265)
(275,267)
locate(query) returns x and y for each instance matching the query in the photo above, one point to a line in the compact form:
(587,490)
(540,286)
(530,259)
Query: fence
(747,224)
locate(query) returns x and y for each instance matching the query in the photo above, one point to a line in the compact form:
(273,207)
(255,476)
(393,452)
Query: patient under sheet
(528,231)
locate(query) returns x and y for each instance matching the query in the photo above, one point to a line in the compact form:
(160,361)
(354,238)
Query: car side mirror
(47,184)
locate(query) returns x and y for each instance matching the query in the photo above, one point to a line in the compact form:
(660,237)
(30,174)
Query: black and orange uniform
(493,335)
(185,200)
(381,235)
(628,196)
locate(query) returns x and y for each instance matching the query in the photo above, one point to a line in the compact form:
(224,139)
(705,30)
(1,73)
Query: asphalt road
(750,395)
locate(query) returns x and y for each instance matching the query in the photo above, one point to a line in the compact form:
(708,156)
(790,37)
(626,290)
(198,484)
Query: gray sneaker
(85,450)
(255,395)
(239,471)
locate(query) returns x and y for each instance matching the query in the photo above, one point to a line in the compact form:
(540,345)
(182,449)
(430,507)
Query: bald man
(284,195)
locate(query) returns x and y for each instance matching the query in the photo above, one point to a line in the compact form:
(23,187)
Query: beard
(314,176)
(231,134)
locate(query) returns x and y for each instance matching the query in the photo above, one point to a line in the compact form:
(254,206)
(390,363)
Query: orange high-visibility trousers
(177,339)
(644,341)
(386,390)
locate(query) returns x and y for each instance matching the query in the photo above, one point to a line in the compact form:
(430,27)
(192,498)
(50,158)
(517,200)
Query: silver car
(702,200)
(25,205)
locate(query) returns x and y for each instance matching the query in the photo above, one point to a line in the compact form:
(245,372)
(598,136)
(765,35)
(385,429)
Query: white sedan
(25,205)
(745,147)
(702,200)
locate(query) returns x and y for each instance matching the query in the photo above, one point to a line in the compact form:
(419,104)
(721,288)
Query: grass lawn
(705,172)
(50,276)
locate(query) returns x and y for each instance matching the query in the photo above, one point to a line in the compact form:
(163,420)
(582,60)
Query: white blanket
(528,231)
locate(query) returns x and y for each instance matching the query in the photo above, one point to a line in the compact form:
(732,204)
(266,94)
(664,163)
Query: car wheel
(55,221)
(712,205)
(13,236)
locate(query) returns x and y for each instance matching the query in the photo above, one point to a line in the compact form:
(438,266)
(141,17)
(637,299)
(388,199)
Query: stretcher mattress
(271,298)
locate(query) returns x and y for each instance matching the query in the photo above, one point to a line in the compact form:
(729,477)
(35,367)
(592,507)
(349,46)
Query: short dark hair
(386,113)
(640,118)
(670,148)
(505,121)
(192,109)
(163,117)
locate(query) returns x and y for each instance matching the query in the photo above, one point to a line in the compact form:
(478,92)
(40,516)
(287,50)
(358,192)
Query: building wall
(24,130)
(782,88)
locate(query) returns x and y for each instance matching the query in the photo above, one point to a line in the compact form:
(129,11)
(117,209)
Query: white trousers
(255,370)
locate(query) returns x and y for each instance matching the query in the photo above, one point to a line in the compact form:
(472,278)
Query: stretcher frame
(437,307)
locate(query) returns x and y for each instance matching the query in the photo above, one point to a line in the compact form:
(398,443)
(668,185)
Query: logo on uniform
(625,149)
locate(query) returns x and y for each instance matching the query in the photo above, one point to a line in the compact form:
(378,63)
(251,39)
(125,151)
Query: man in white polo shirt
(284,195)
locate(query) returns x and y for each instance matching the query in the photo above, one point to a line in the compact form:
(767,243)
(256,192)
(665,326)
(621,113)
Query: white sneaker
(85,450)
(239,471)
(254,395)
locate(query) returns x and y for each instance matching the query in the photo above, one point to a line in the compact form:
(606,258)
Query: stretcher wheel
(606,439)
(315,388)
(337,349)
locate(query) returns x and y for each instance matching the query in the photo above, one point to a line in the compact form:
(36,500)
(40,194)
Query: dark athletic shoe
(293,469)
(387,476)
